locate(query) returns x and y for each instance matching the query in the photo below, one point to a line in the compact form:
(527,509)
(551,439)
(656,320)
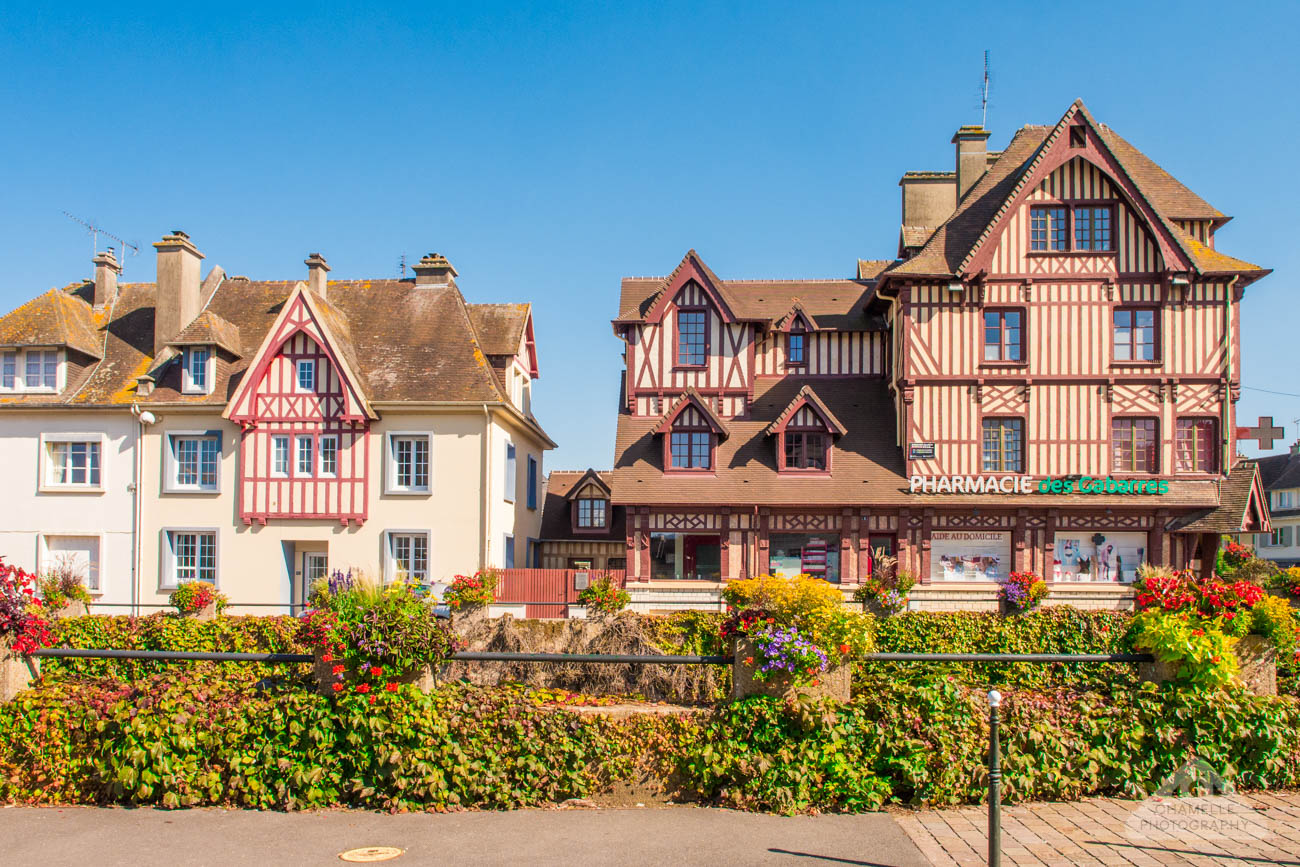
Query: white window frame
(188,385)
(510,474)
(390,561)
(1282,499)
(508,558)
(320,455)
(273,470)
(167,577)
(20,385)
(298,366)
(390,464)
(171,466)
(46,464)
(304,446)
(46,560)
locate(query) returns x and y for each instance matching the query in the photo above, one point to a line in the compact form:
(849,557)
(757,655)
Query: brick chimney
(434,270)
(106,271)
(316,271)
(178,287)
(972,157)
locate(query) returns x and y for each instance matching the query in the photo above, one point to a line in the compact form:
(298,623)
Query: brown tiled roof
(209,328)
(915,236)
(500,327)
(865,465)
(836,304)
(57,318)
(953,243)
(556,521)
(1241,508)
(691,396)
(807,394)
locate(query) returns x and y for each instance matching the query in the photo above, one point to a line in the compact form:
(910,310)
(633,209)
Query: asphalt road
(670,836)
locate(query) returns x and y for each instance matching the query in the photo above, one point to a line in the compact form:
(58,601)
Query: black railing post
(995,782)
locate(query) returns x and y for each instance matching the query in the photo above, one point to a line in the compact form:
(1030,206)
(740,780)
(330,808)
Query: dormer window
(804,433)
(796,348)
(30,370)
(806,450)
(198,373)
(690,432)
(591,513)
(691,449)
(692,337)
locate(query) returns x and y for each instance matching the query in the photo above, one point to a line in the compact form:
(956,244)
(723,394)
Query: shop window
(1098,556)
(793,554)
(969,556)
(685,555)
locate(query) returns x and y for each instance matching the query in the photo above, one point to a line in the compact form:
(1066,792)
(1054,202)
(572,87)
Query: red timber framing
(304,446)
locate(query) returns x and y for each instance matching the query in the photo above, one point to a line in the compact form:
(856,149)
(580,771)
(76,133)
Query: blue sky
(549,150)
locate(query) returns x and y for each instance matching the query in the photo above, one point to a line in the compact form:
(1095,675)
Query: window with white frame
(329,456)
(509,543)
(77,556)
(194,459)
(1282,499)
(408,470)
(73,462)
(29,370)
(280,455)
(197,374)
(1280,537)
(511,471)
(191,555)
(305,460)
(408,556)
(305,374)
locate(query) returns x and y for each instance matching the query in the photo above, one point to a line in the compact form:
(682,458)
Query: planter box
(831,684)
(323,672)
(871,606)
(207,612)
(1256,656)
(16,672)
(70,609)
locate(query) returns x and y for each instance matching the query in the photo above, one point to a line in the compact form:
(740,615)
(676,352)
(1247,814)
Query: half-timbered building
(262,433)
(581,529)
(1043,379)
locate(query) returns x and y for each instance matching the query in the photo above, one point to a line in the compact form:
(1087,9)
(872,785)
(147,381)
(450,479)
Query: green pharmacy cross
(1263,433)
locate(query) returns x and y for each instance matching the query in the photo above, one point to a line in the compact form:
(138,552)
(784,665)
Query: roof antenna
(401,264)
(96,231)
(984,100)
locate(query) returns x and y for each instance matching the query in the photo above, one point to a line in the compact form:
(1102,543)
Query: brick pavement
(1248,829)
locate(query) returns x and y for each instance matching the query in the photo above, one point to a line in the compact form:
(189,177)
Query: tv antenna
(984,93)
(96,231)
(401,265)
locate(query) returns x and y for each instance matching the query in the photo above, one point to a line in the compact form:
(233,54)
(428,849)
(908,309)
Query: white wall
(28,512)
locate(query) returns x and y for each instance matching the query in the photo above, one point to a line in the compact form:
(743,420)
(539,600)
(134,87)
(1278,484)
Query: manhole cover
(371,853)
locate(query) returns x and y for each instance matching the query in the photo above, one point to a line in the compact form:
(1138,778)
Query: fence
(549,592)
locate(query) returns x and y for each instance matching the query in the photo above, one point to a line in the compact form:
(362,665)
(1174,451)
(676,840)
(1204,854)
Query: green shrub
(603,596)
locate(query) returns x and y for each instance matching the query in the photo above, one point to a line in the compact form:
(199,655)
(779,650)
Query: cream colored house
(260,434)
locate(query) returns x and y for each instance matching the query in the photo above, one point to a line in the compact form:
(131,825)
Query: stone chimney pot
(316,271)
(972,157)
(107,270)
(434,270)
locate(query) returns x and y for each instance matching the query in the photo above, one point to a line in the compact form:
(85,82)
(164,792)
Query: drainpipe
(1231,342)
(485,473)
(137,464)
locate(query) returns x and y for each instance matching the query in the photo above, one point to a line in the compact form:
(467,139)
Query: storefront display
(793,554)
(1084,555)
(969,556)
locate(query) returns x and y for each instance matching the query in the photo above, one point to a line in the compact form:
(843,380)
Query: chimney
(106,271)
(316,271)
(434,270)
(972,157)
(178,287)
(929,198)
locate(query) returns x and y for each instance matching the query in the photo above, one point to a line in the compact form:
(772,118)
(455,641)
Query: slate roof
(1279,471)
(557,525)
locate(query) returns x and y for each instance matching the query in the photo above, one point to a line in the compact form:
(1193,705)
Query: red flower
(815,681)
(1216,659)
(749,660)
(372,699)
(844,649)
(338,687)
(391,687)
(338,669)
(1198,632)
(375,671)
(327,657)
(363,687)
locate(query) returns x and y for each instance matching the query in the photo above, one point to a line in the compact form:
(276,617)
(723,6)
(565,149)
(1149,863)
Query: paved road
(670,836)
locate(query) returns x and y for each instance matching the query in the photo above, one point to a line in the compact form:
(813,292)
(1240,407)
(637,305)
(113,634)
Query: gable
(267,391)
(1076,182)
(692,281)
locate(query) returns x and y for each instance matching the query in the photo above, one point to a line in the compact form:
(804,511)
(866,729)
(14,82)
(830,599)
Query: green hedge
(196,738)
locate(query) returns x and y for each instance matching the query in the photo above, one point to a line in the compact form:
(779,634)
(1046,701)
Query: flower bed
(201,737)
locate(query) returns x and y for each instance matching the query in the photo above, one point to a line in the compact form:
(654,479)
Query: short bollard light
(995,782)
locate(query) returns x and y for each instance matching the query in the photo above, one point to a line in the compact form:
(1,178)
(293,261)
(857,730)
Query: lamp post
(995,782)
